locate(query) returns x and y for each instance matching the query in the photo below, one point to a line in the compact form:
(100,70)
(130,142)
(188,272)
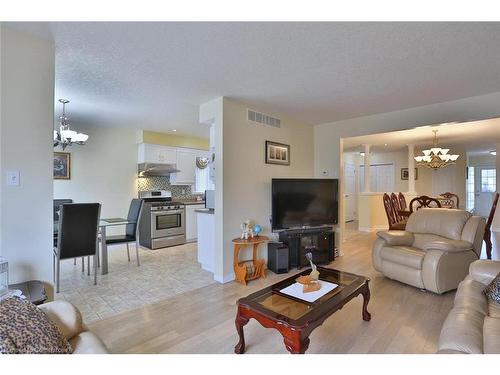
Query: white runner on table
(296,290)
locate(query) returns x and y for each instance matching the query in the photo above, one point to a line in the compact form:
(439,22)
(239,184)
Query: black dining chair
(57,207)
(131,230)
(77,235)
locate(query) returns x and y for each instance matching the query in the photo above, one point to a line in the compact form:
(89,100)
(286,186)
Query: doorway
(350,192)
(485,187)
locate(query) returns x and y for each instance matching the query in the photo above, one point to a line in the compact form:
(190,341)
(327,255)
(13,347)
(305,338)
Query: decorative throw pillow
(25,329)
(492,291)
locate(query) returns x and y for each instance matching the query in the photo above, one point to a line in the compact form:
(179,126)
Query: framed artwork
(404,173)
(62,166)
(277,153)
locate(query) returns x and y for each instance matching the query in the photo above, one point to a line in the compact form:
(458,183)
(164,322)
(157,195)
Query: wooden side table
(249,269)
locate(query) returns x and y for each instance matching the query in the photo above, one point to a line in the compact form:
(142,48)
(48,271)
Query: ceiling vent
(262,118)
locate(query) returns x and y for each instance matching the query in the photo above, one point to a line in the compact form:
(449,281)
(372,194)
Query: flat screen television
(299,203)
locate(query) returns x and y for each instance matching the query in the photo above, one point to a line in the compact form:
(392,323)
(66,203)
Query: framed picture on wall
(277,153)
(405,174)
(62,166)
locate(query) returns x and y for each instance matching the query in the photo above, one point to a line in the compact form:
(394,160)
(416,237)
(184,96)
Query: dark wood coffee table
(294,318)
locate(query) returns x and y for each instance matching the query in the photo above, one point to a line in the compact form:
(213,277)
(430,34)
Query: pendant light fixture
(436,157)
(65,137)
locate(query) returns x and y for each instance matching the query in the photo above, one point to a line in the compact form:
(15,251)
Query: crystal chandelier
(65,137)
(436,157)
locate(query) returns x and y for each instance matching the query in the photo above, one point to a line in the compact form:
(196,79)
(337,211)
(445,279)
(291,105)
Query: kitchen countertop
(188,201)
(210,211)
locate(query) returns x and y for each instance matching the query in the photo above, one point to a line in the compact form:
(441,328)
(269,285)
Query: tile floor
(162,274)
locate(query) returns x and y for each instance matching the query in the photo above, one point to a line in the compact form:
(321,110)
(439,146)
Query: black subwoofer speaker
(277,257)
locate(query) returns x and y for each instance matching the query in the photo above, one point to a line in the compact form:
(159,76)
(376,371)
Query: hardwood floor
(404,319)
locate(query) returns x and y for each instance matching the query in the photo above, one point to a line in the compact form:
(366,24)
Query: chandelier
(65,137)
(436,157)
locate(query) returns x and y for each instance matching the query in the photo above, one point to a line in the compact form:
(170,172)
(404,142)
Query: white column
(367,169)
(411,169)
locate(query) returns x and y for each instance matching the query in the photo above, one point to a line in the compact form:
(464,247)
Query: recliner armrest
(484,271)
(66,316)
(396,237)
(452,246)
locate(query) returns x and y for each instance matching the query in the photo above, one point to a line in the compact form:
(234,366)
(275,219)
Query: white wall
(327,136)
(212,114)
(26,122)
(246,176)
(104,170)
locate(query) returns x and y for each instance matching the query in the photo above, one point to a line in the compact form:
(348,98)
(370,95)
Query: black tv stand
(320,241)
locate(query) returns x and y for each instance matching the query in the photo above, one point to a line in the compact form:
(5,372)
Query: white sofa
(435,250)
(69,320)
(473,325)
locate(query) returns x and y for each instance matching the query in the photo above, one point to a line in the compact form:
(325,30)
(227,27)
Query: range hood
(156,169)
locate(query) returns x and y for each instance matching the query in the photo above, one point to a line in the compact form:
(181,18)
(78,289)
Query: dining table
(104,224)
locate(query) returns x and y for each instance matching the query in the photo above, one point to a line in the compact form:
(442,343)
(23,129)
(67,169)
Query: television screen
(300,203)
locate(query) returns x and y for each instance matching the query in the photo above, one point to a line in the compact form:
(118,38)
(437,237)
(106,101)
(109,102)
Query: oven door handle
(170,212)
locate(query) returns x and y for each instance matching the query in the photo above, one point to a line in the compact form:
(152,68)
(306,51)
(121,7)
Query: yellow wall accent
(173,140)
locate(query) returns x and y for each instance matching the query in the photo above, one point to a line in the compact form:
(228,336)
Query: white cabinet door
(149,153)
(167,155)
(186,163)
(191,221)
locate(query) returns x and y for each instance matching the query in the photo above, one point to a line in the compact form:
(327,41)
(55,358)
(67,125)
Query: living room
(283,113)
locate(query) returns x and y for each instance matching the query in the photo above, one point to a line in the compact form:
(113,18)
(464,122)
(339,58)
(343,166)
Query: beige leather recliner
(69,320)
(473,325)
(435,250)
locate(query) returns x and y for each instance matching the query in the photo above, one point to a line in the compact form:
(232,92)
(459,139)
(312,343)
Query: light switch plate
(12,178)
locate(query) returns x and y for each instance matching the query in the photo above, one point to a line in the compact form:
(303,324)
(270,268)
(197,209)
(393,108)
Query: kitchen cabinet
(192,221)
(150,153)
(186,164)
(183,158)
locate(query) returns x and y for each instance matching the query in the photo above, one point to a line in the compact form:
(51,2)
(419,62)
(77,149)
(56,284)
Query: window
(488,180)
(381,177)
(470,188)
(202,180)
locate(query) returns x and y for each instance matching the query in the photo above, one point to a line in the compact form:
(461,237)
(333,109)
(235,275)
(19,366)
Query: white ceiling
(477,137)
(155,75)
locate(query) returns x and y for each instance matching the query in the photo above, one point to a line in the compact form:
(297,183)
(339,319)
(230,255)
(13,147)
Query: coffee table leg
(240,322)
(296,344)
(366,298)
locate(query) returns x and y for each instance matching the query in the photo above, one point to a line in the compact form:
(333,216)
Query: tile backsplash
(163,183)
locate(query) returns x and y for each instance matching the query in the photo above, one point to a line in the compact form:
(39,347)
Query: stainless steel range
(163,222)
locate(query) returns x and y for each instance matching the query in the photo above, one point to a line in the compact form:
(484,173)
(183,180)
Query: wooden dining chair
(402,201)
(487,229)
(396,207)
(449,200)
(423,201)
(394,224)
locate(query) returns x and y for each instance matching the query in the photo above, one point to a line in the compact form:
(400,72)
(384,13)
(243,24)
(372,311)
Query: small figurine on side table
(246,230)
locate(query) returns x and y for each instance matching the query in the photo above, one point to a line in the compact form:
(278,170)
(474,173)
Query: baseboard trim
(224,279)
(207,268)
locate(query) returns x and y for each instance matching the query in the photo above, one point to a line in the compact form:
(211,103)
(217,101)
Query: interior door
(485,183)
(350,193)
